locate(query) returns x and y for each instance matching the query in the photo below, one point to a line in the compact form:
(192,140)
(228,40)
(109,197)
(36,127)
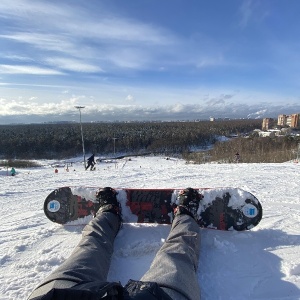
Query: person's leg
(174,267)
(90,261)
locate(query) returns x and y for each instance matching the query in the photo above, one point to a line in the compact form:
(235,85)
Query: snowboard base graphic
(220,208)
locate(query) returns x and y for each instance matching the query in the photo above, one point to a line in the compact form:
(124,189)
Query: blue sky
(148,59)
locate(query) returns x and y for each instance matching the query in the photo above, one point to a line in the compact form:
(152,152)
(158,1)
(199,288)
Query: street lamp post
(114,138)
(83,151)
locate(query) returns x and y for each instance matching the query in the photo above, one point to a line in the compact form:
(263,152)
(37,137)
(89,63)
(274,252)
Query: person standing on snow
(172,274)
(13,171)
(91,162)
(237,157)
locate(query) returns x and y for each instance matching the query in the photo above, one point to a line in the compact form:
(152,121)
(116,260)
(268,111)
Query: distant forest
(53,141)
(253,149)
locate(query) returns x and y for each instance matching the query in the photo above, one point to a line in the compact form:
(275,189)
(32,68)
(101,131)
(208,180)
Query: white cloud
(18,58)
(212,61)
(32,70)
(130,99)
(252,11)
(27,8)
(104,37)
(72,65)
(129,58)
(246,12)
(49,42)
(122,30)
(64,110)
(104,25)
(177,108)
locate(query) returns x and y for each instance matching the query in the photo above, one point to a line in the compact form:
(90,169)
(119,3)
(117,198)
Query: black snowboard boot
(107,198)
(188,202)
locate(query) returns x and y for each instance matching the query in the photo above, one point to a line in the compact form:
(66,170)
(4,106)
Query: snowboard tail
(221,208)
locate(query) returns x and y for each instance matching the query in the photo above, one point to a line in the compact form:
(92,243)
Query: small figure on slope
(13,171)
(91,162)
(237,157)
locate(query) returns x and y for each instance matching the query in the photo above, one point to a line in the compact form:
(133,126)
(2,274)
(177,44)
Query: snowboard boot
(107,198)
(188,203)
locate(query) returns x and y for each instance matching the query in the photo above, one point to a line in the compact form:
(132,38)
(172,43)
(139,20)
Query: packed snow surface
(263,263)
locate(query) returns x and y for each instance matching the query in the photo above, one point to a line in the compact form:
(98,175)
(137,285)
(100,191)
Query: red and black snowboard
(220,208)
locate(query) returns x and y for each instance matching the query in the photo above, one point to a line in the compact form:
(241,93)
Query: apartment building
(295,120)
(292,120)
(282,120)
(267,124)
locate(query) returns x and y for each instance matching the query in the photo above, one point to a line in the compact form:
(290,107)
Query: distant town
(284,125)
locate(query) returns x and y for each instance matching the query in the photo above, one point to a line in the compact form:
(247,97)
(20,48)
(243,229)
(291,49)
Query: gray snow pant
(174,268)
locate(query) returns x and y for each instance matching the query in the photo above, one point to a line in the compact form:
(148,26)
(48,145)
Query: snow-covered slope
(263,263)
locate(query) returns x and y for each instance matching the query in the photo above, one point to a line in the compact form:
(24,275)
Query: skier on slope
(172,274)
(91,162)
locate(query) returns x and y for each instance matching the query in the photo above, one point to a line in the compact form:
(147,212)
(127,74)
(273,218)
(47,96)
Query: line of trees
(252,150)
(64,140)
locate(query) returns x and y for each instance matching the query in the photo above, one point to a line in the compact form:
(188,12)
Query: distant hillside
(64,140)
(252,149)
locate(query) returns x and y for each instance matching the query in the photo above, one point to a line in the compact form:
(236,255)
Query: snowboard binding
(188,202)
(107,198)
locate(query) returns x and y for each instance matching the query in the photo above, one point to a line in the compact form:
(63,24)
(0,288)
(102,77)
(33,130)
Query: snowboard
(220,208)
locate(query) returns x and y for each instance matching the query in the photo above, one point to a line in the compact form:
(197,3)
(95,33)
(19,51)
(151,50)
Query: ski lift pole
(83,150)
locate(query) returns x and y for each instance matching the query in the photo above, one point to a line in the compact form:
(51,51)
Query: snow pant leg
(175,265)
(90,260)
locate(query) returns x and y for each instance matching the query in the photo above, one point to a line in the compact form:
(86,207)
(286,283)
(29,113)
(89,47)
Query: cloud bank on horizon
(148,60)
